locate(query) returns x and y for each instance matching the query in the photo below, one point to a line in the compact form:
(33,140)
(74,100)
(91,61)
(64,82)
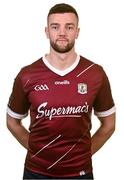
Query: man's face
(62,31)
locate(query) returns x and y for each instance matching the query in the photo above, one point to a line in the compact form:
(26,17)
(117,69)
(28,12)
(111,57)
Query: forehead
(63,18)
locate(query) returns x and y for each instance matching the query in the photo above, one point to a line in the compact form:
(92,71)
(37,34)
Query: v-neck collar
(62,72)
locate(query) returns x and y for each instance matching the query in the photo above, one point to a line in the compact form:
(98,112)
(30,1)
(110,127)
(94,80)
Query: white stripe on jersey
(85,70)
(64,154)
(47,145)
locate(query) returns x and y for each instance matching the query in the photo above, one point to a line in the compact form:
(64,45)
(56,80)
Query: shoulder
(91,66)
(31,67)
(28,72)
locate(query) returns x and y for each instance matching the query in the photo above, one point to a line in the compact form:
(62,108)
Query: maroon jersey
(60,104)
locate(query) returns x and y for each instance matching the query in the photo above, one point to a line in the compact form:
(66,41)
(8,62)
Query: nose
(62,31)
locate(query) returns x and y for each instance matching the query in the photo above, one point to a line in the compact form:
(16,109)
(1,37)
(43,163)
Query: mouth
(62,39)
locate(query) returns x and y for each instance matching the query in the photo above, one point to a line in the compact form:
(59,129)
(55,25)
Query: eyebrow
(68,24)
(52,24)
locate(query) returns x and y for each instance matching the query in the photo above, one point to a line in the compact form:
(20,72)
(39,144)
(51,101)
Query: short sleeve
(104,104)
(18,104)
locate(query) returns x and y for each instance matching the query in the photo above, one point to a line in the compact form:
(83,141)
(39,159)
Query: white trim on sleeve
(16,115)
(105,113)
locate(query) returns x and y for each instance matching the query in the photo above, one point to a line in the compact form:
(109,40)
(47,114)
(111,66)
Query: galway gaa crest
(82,88)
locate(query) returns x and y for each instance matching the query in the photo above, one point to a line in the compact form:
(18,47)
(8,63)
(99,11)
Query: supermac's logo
(82,88)
(43,112)
(41,87)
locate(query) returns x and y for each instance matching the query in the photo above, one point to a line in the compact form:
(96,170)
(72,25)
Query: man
(60,90)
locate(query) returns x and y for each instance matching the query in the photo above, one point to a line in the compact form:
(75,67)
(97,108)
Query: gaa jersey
(60,105)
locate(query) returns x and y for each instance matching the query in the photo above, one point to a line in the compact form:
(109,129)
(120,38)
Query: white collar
(62,72)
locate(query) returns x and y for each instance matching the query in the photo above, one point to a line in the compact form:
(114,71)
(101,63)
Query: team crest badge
(82,88)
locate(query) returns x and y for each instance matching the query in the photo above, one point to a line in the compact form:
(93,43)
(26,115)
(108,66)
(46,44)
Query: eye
(54,27)
(69,28)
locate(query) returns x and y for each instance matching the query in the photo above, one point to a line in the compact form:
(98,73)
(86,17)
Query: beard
(62,48)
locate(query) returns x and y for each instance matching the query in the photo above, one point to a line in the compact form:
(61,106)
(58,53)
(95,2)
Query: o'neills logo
(61,111)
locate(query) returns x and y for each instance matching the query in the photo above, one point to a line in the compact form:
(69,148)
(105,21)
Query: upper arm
(108,121)
(104,107)
(18,104)
(11,121)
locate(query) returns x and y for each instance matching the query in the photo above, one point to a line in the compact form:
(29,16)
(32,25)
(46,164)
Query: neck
(61,61)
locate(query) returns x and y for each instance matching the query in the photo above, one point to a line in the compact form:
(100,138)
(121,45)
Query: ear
(47,32)
(77,33)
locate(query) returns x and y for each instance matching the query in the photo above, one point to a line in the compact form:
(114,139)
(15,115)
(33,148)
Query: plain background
(22,41)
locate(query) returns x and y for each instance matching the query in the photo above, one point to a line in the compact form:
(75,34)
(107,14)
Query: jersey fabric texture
(60,105)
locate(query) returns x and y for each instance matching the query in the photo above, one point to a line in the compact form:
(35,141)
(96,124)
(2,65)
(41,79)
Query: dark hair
(62,8)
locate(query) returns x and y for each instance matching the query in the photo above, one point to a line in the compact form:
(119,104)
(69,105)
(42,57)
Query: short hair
(63,8)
